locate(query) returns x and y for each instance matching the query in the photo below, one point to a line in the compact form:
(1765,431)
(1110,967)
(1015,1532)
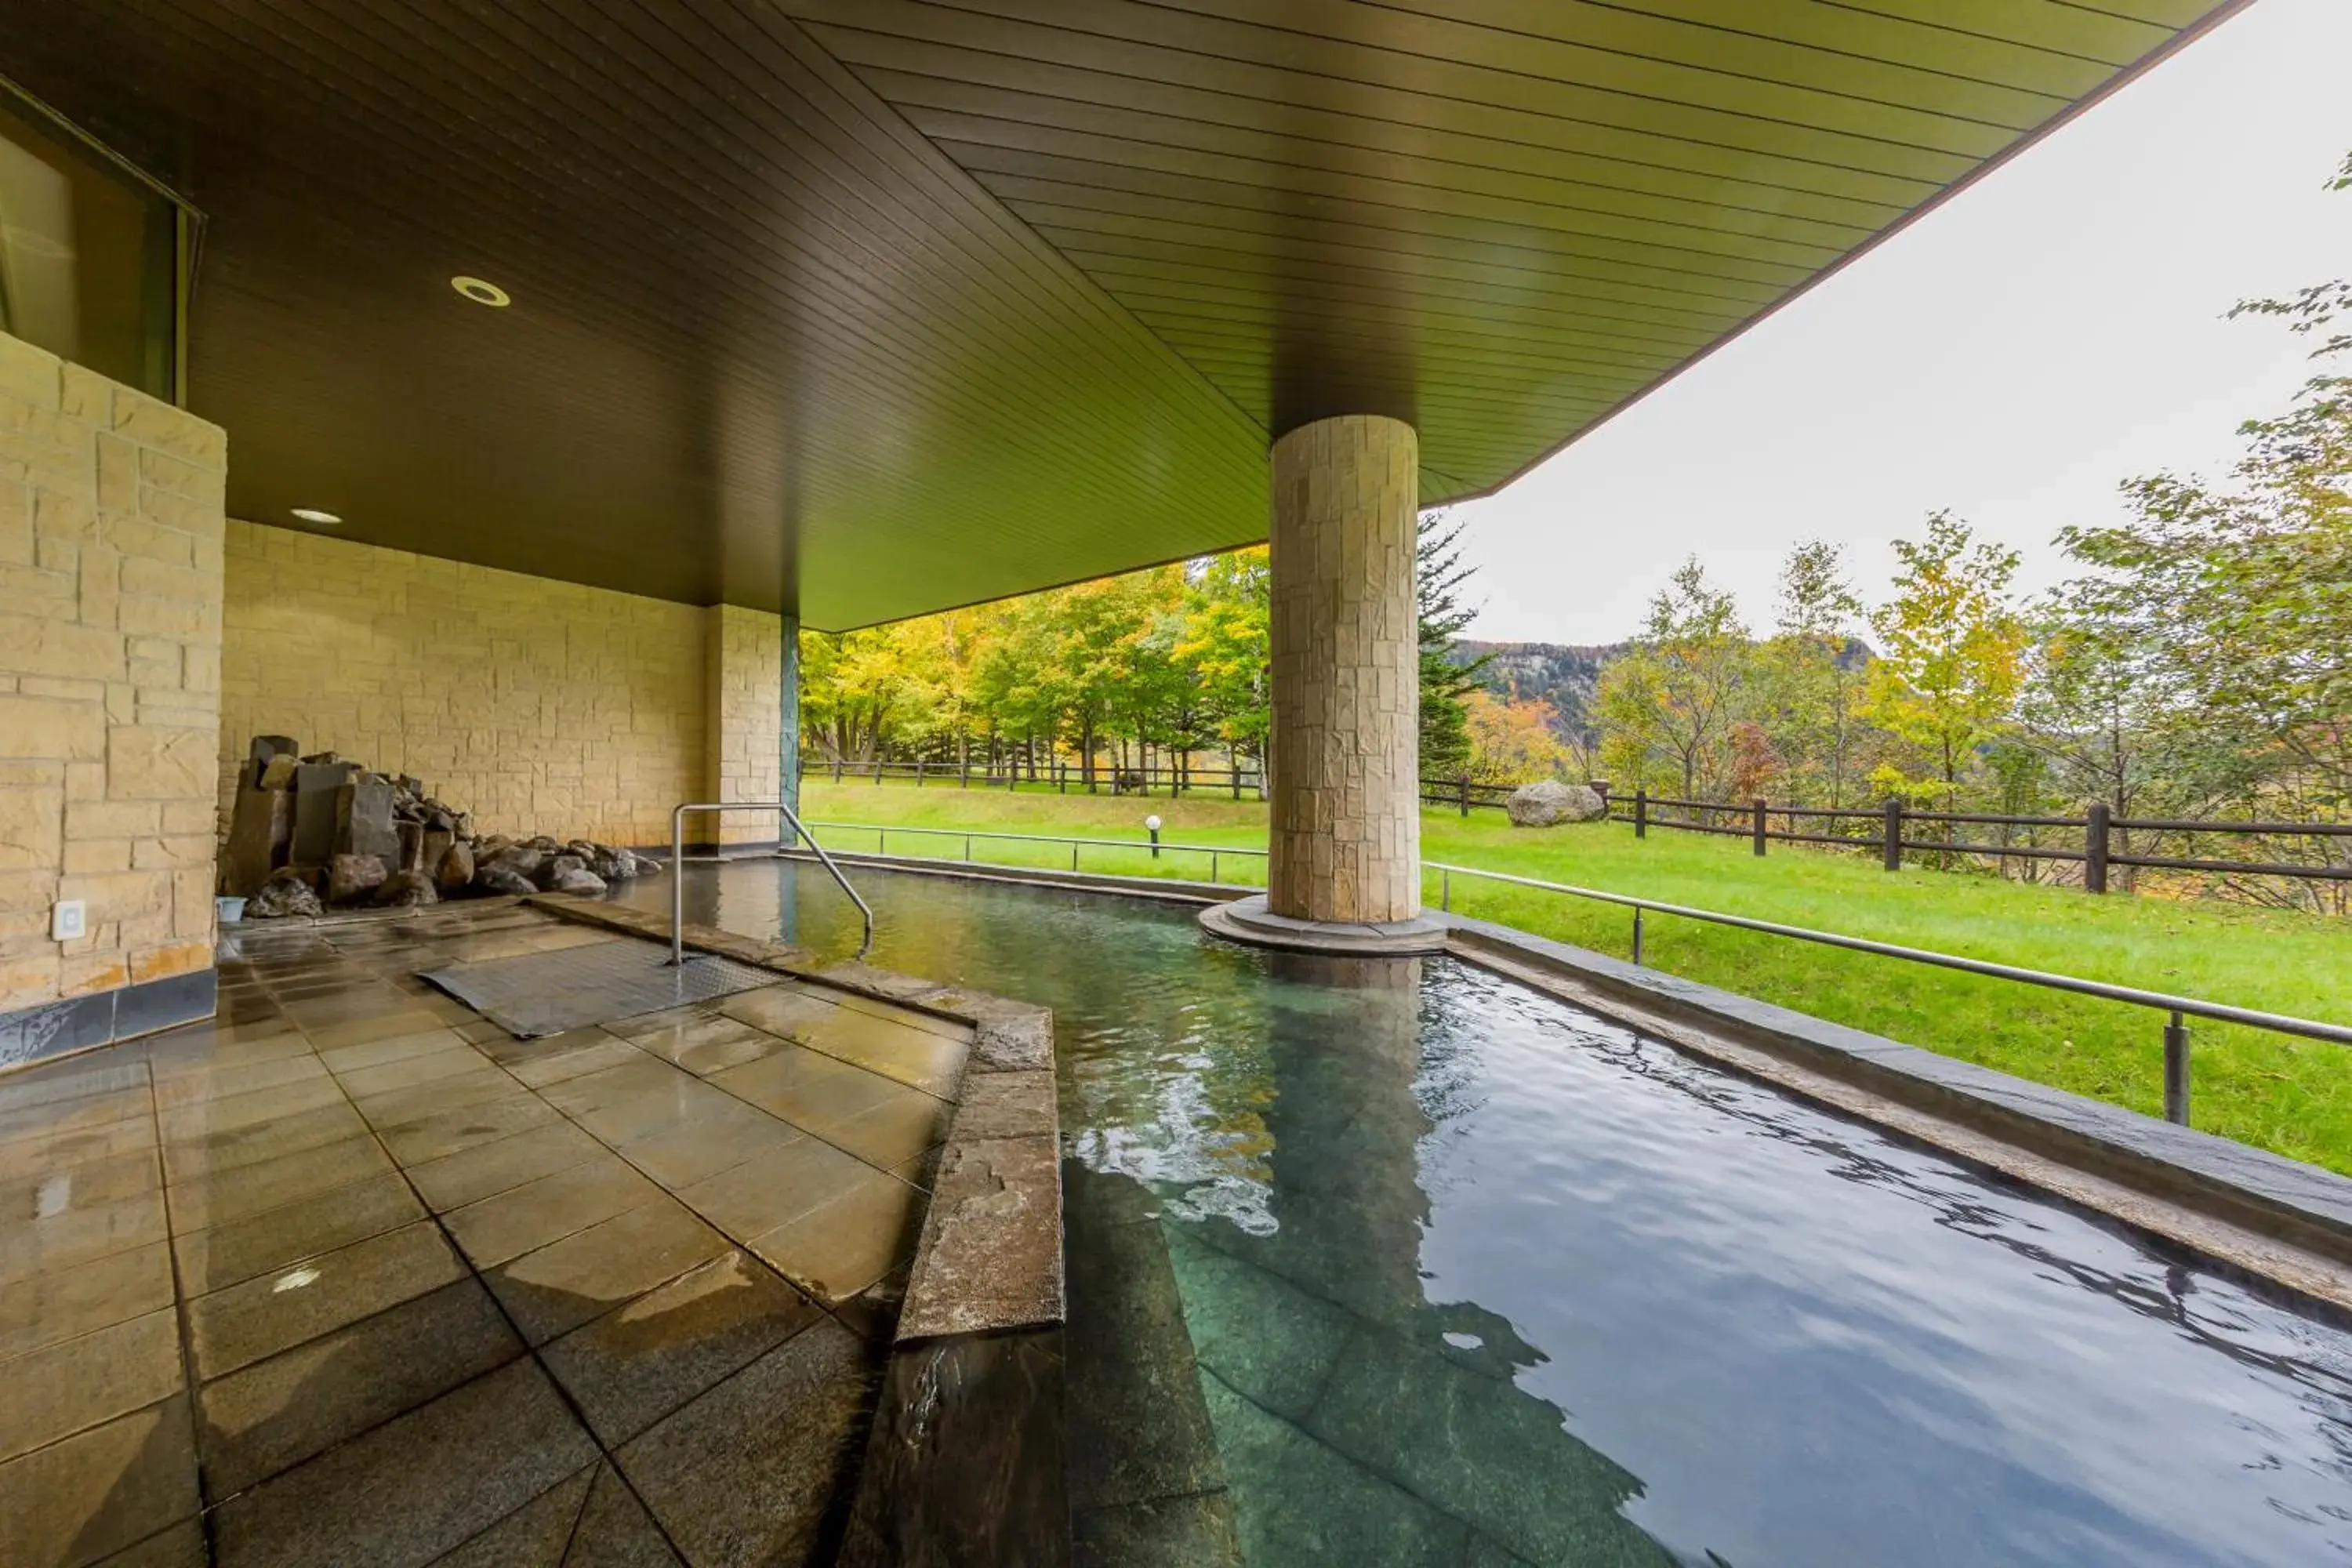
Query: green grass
(2288,1095)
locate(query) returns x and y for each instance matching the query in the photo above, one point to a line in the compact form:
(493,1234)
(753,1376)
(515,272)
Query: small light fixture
(481,292)
(1151,825)
(312,514)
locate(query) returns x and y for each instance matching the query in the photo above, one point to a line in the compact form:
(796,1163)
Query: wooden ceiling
(875,307)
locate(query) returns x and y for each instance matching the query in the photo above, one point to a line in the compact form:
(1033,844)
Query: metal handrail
(882,829)
(678,868)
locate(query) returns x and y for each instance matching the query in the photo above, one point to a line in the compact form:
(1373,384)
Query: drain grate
(572,987)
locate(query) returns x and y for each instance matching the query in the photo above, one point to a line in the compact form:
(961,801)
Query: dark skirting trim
(75,1023)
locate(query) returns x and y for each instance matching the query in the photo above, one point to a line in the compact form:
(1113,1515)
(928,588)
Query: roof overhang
(875,307)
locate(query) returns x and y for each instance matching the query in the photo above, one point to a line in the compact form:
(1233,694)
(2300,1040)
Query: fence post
(836,770)
(1600,788)
(1760,827)
(918,772)
(1462,792)
(877,770)
(1894,833)
(2175,1072)
(1640,811)
(963,771)
(2095,847)
(1637,932)
(1233,774)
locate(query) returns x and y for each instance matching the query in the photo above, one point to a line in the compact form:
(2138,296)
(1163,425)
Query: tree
(1951,651)
(1438,578)
(1672,702)
(1511,740)
(1811,675)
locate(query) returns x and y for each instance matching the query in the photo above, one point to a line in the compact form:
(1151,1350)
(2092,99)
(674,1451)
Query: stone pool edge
(965,1461)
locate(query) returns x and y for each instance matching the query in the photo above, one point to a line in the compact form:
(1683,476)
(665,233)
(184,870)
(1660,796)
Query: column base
(1249,921)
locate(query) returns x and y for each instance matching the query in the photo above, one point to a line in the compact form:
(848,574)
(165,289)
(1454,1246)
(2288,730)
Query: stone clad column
(1346,818)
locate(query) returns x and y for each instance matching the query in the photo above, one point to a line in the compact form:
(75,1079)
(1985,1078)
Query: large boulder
(520,859)
(350,878)
(575,879)
(456,870)
(554,868)
(406,889)
(613,865)
(500,878)
(1548,803)
(287,892)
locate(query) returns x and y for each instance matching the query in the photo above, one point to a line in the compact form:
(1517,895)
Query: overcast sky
(2011,356)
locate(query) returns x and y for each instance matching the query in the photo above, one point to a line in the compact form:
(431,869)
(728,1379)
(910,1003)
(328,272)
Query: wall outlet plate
(68,920)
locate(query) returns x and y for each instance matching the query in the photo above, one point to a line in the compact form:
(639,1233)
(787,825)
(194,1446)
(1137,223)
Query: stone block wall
(1345,809)
(111,569)
(742,650)
(541,707)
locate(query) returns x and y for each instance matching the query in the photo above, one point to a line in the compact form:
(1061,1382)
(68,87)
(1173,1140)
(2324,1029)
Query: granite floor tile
(821,1102)
(216,1154)
(264,1417)
(410,1489)
(1297,1500)
(576,1059)
(207,1118)
(66,1303)
(168,1061)
(616,1530)
(684,1102)
(37,1195)
(265,1315)
(44,1153)
(487,1168)
(779,1184)
(450,1060)
(746,1473)
(210,1199)
(569,1282)
(76,1114)
(842,1245)
(99,1491)
(785,1078)
(370,1021)
(477,1085)
(583,1096)
(220,1256)
(721,1135)
(434,1136)
(1270,1341)
(180,1546)
(240,1078)
(81,1235)
(786,1010)
(894,1131)
(709,1043)
(638,1363)
(524,1218)
(947,1028)
(64,1388)
(896,1050)
(78,1077)
(535,1535)
(393,1048)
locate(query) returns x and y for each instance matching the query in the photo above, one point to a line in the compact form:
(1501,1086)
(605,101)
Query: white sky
(2014,355)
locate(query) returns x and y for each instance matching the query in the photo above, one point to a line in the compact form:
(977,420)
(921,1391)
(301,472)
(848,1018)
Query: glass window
(90,254)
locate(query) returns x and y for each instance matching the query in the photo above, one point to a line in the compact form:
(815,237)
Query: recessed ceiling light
(482,293)
(312,514)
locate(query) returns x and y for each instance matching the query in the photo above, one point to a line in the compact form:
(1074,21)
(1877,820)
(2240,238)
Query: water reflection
(1403,1263)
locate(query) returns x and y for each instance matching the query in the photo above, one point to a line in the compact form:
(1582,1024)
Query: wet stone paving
(349,1275)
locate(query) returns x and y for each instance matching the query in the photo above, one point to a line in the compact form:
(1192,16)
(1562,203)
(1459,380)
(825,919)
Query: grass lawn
(2288,1095)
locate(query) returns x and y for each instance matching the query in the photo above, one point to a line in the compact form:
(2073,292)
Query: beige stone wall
(541,707)
(1345,814)
(110,532)
(742,650)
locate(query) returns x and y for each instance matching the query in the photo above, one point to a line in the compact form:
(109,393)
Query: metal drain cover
(572,987)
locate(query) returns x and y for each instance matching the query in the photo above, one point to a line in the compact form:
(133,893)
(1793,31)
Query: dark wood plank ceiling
(880,306)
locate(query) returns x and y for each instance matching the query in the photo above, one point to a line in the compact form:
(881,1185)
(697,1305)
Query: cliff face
(1559,673)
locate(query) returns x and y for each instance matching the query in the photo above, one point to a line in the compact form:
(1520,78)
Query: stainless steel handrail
(887,827)
(678,868)
(2280,1023)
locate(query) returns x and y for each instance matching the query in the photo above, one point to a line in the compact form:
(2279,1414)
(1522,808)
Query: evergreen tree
(1438,578)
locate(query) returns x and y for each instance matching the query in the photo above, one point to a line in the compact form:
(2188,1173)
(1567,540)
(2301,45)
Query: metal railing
(678,868)
(2179,1009)
(882,832)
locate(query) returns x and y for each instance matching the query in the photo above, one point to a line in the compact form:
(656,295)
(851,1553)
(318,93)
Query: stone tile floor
(348,1275)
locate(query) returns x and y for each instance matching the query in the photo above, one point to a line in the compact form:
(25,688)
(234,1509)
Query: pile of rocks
(309,832)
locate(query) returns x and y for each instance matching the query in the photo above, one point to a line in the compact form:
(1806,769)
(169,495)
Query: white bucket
(231,910)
